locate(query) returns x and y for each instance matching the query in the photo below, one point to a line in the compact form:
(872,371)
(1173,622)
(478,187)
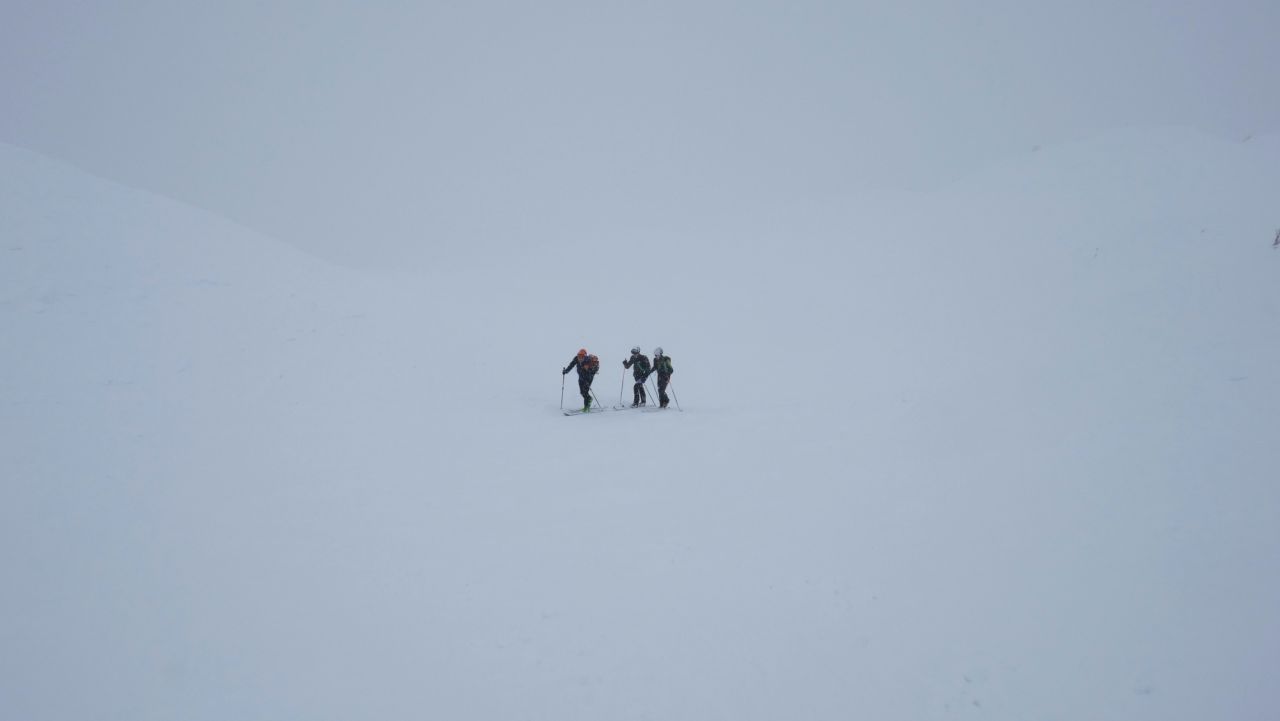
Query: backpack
(590,364)
(663,365)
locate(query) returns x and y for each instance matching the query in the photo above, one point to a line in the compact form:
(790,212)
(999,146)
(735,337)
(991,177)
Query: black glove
(564,371)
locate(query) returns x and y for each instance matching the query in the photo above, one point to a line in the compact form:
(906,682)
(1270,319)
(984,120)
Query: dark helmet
(635,350)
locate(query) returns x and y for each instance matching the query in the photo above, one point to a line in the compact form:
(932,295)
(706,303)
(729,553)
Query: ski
(580,412)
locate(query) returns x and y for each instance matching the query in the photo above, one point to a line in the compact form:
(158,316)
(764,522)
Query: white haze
(972,309)
(393,133)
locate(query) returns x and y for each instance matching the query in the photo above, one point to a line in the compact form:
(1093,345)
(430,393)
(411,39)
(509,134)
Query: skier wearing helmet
(639,365)
(662,366)
(587,366)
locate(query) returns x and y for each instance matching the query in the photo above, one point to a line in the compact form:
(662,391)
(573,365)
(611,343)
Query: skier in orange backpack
(587,366)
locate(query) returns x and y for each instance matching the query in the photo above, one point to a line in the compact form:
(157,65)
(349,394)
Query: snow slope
(1005,449)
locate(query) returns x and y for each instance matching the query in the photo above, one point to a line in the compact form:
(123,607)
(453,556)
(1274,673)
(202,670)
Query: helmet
(657,351)
(582,352)
(635,350)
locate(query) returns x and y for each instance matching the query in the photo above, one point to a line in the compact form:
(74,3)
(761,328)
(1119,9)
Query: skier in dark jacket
(587,366)
(639,365)
(662,366)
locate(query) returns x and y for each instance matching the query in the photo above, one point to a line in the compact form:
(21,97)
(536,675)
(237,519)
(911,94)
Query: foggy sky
(454,125)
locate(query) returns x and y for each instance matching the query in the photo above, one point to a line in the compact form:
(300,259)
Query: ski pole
(562,391)
(674,397)
(622,384)
(593,395)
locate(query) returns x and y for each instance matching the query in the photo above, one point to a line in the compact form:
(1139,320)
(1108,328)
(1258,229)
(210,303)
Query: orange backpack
(590,364)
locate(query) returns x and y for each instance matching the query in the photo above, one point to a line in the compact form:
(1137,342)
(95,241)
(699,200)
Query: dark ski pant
(662,390)
(584,387)
(638,392)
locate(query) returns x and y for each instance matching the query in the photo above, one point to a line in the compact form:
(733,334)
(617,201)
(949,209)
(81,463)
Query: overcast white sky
(396,132)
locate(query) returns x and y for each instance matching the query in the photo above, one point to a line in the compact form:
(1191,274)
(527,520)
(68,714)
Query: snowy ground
(1003,450)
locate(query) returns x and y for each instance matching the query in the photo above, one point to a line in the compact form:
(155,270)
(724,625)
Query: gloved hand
(564,371)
